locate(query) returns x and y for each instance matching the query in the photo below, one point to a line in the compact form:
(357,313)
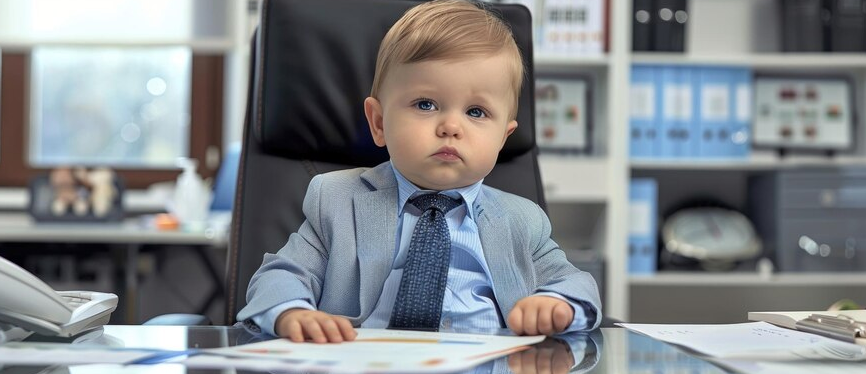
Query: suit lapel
(500,253)
(375,229)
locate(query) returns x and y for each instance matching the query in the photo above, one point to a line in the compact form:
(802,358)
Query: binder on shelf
(643,19)
(684,121)
(802,27)
(847,26)
(548,20)
(714,111)
(594,27)
(666,105)
(557,26)
(643,113)
(577,21)
(670,26)
(740,137)
(643,226)
(677,117)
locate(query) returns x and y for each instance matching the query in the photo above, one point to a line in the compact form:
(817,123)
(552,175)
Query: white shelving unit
(751,164)
(597,185)
(757,60)
(720,33)
(684,279)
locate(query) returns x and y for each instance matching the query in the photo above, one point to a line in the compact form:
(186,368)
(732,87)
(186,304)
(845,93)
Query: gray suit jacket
(340,256)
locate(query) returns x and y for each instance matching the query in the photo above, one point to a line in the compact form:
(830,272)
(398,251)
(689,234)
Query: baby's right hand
(300,324)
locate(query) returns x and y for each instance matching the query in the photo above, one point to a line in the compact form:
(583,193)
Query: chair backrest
(312,66)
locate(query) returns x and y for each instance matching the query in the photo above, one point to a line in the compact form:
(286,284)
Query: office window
(113,21)
(102,112)
(123,107)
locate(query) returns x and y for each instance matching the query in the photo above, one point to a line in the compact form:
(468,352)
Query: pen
(161,357)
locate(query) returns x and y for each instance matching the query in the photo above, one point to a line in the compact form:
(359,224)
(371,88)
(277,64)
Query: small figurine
(102,191)
(66,194)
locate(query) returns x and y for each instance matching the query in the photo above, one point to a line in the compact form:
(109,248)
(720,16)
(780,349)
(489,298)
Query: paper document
(16,353)
(790,367)
(386,351)
(752,341)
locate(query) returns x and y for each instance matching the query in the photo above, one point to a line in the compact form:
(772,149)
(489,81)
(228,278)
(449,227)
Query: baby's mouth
(447,154)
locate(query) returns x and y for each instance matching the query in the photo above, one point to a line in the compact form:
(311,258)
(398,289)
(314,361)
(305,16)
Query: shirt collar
(408,190)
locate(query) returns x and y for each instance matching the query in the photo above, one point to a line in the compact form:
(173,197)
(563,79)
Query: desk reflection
(574,353)
(608,350)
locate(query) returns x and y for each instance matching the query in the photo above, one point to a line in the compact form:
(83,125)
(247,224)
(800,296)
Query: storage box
(813,220)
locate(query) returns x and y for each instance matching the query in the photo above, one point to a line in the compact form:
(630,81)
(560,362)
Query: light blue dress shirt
(469,302)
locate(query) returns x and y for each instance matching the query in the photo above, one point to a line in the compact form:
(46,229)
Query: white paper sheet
(383,351)
(60,353)
(752,341)
(791,367)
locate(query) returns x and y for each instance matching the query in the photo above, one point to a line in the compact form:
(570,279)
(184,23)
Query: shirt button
(446,323)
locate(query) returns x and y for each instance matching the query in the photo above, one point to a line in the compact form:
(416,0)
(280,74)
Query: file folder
(643,20)
(802,27)
(670,25)
(643,226)
(714,111)
(643,113)
(740,140)
(847,26)
(677,112)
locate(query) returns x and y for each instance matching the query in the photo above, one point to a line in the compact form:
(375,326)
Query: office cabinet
(594,187)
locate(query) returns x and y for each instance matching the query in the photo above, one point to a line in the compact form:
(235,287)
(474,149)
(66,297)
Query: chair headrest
(314,64)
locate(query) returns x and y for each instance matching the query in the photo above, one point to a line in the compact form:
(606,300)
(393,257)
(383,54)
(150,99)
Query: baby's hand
(540,315)
(320,327)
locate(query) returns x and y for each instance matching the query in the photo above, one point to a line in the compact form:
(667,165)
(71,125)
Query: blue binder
(676,109)
(642,245)
(643,113)
(666,133)
(715,111)
(740,140)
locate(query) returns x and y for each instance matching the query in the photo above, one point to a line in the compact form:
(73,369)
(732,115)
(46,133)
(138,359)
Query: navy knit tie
(422,287)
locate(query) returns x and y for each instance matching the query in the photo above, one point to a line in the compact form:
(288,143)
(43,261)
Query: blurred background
(692,151)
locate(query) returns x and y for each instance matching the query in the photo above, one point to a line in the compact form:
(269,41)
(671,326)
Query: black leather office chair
(312,66)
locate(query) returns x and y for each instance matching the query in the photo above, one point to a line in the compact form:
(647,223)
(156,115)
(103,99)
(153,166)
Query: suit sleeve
(557,275)
(296,271)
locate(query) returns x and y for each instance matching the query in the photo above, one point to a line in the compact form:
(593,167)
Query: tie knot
(436,201)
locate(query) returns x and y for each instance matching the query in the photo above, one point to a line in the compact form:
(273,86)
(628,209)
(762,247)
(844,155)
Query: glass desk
(609,350)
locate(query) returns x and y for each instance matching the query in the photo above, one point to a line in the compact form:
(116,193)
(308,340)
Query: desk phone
(29,303)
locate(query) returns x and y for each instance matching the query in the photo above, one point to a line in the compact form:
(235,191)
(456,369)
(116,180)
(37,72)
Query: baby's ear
(509,129)
(373,111)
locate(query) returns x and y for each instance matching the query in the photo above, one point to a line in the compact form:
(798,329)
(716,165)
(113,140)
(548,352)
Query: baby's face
(444,122)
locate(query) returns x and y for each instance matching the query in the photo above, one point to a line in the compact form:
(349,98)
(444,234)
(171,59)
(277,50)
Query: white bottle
(191,197)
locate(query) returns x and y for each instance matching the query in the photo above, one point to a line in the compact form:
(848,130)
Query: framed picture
(562,113)
(76,195)
(803,112)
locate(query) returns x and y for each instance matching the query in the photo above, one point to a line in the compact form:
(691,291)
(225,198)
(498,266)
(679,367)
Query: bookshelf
(686,279)
(594,188)
(823,61)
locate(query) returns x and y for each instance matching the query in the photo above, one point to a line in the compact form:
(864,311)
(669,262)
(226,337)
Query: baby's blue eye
(476,112)
(425,105)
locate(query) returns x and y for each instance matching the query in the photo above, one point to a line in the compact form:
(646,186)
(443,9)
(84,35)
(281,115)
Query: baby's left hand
(540,315)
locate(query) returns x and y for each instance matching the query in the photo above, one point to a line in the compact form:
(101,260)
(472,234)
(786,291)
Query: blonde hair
(445,30)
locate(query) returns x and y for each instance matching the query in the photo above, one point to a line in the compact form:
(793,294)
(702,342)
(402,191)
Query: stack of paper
(757,341)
